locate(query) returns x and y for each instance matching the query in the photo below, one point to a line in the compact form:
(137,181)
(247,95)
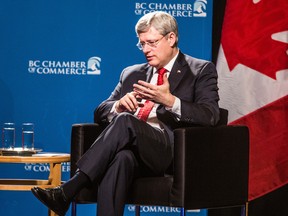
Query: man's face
(161,50)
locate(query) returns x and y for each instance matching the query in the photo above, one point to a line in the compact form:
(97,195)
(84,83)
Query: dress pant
(117,156)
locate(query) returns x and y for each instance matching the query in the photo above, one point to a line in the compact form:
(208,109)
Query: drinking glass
(8,135)
(27,136)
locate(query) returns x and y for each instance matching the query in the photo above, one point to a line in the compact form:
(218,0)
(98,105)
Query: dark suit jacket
(192,80)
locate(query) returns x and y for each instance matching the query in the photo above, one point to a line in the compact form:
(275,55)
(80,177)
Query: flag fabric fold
(253,85)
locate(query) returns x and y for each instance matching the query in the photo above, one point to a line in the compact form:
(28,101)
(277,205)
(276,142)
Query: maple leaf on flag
(247,35)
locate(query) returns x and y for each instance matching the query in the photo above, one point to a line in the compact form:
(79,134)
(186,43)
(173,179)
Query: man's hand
(159,94)
(127,103)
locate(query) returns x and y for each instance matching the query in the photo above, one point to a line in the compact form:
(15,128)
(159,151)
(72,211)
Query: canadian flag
(253,85)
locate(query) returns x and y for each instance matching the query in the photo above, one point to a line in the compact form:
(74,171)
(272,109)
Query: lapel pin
(178,71)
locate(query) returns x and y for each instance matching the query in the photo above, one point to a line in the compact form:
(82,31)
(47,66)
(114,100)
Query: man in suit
(133,142)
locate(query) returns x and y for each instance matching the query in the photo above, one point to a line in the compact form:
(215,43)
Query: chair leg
(137,210)
(244,210)
(73,210)
(182,212)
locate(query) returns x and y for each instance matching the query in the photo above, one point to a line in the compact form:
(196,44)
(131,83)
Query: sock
(73,186)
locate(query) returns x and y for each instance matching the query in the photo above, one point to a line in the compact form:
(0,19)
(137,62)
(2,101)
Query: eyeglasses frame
(152,44)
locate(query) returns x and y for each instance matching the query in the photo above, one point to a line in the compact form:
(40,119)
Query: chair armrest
(210,166)
(82,137)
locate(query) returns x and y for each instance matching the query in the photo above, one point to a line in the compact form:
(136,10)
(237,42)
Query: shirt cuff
(112,113)
(176,108)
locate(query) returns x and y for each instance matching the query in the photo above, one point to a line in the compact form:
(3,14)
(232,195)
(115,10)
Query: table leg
(51,213)
(55,174)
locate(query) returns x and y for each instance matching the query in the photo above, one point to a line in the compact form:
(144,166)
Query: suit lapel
(178,71)
(149,74)
(144,74)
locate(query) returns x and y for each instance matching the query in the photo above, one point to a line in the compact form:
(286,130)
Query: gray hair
(163,22)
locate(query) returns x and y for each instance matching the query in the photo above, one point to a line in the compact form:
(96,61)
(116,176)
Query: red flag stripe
(269,152)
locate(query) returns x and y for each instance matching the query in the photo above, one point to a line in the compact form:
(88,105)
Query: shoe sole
(39,198)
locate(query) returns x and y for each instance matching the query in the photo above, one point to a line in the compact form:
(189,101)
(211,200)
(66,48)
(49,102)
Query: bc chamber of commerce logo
(45,167)
(55,67)
(196,9)
(159,209)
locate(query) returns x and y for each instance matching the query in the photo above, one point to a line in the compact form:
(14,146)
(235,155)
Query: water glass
(27,136)
(8,136)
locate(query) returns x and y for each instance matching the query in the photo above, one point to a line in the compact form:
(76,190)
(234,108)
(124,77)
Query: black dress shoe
(53,198)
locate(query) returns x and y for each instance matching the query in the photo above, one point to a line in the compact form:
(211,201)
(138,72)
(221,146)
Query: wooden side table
(54,179)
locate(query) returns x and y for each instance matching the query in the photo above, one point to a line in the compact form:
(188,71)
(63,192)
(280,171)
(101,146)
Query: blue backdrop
(60,59)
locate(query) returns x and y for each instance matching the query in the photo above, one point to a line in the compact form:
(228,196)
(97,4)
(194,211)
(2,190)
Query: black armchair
(210,169)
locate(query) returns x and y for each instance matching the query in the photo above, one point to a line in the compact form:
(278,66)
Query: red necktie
(148,105)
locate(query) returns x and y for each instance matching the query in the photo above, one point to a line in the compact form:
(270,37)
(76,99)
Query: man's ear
(172,39)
